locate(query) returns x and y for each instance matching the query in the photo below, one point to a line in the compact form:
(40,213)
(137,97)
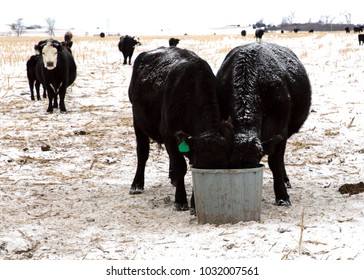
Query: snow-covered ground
(72,201)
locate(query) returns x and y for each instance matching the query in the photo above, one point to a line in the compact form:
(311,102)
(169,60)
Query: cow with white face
(56,69)
(50,54)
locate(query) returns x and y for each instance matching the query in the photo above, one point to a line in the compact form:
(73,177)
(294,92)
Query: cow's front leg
(62,95)
(179,165)
(51,96)
(44,92)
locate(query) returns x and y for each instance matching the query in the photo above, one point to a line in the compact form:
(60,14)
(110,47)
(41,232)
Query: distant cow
(173,42)
(68,40)
(265,90)
(126,46)
(358,29)
(56,69)
(174,101)
(32,77)
(310,31)
(295,30)
(361,39)
(243,33)
(347,29)
(259,34)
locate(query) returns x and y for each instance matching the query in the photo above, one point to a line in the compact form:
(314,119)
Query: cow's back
(166,80)
(31,67)
(271,72)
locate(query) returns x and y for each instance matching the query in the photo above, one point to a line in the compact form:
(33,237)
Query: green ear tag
(183,147)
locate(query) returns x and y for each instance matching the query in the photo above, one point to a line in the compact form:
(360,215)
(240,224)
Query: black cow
(68,43)
(310,31)
(243,33)
(347,29)
(358,29)
(266,92)
(56,69)
(174,101)
(173,42)
(126,46)
(295,30)
(259,34)
(361,39)
(32,77)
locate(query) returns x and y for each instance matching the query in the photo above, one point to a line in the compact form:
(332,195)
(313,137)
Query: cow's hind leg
(142,146)
(280,179)
(31,87)
(37,89)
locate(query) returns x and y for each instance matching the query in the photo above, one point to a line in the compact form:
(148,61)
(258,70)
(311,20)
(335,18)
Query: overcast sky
(164,14)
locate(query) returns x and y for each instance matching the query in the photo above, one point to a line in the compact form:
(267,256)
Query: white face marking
(49,55)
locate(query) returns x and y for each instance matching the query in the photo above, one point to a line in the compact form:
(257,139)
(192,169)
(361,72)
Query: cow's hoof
(181,207)
(282,202)
(193,211)
(64,112)
(136,190)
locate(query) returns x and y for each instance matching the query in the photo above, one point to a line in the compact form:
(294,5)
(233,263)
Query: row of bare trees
(325,19)
(19,28)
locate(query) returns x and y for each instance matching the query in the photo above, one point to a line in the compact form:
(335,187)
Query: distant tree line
(316,26)
(324,24)
(19,28)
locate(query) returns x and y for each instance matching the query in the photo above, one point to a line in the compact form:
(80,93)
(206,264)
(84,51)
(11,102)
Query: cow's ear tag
(183,147)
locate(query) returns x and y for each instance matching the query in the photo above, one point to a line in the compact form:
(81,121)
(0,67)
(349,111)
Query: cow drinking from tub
(174,102)
(265,90)
(56,69)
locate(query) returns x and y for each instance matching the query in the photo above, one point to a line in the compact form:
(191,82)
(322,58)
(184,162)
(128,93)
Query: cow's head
(247,150)
(210,149)
(136,41)
(49,50)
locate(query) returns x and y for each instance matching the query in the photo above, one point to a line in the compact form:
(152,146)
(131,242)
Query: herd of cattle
(260,32)
(260,96)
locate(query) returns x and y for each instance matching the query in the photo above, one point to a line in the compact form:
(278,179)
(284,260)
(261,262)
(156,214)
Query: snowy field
(72,202)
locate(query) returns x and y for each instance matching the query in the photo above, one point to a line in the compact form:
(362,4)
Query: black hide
(173,96)
(265,90)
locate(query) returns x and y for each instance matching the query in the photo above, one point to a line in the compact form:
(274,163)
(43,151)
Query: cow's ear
(57,45)
(184,141)
(41,45)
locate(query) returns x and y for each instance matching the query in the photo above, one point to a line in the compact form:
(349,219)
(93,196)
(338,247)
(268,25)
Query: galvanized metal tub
(227,195)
